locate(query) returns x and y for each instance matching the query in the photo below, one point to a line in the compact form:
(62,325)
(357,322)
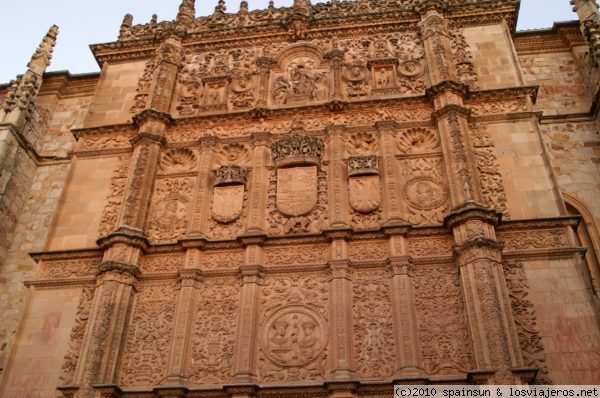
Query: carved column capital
(189,277)
(386,126)
(209,142)
(400,266)
(251,273)
(171,392)
(126,274)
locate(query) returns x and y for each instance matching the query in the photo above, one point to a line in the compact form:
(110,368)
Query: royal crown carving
(297,149)
(231,175)
(363,165)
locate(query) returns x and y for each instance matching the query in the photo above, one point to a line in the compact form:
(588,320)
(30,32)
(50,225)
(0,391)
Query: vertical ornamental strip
(478,253)
(123,247)
(338,197)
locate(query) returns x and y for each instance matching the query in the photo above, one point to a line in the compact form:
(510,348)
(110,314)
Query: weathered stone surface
(331,204)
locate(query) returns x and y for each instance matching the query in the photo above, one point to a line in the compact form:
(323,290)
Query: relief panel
(444,337)
(168,218)
(374,352)
(144,360)
(293,333)
(214,330)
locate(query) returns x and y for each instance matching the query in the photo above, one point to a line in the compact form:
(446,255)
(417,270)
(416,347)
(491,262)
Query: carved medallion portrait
(293,336)
(425,194)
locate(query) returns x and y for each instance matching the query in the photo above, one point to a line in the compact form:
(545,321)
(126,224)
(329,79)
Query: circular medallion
(293,336)
(411,68)
(355,73)
(424,193)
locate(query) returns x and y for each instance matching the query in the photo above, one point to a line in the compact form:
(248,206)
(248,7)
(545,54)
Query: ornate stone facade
(318,200)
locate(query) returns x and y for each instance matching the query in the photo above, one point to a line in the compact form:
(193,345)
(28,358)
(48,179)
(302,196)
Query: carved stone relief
(222,259)
(110,214)
(178,160)
(489,171)
(295,255)
(369,250)
(168,216)
(443,332)
(147,346)
(228,202)
(217,81)
(297,187)
(69,268)
(301,81)
(294,329)
(76,336)
(364,184)
(162,263)
(316,220)
(417,140)
(425,193)
(374,352)
(215,325)
(530,339)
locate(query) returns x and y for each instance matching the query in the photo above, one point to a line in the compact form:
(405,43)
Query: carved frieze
(532,240)
(146,349)
(294,328)
(162,263)
(213,337)
(222,259)
(296,255)
(374,352)
(302,80)
(168,216)
(443,333)
(430,247)
(69,268)
(369,250)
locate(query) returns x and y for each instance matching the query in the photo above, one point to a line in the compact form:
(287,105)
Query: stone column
(264,66)
(341,307)
(106,330)
(190,279)
(257,203)
(404,309)
(244,359)
(392,210)
(338,192)
(336,57)
(478,254)
(201,200)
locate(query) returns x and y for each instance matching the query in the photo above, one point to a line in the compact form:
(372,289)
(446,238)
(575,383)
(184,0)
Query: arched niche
(300,51)
(588,237)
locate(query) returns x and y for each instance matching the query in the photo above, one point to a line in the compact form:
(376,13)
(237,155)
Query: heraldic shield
(296,190)
(365,193)
(228,202)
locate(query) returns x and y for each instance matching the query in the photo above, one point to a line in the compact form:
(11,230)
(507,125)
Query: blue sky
(81,23)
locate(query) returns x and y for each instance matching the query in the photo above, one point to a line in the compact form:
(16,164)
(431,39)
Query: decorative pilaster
(338,194)
(201,201)
(405,317)
(437,42)
(336,57)
(478,254)
(189,282)
(264,65)
(341,304)
(106,329)
(258,188)
(168,59)
(244,360)
(391,188)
